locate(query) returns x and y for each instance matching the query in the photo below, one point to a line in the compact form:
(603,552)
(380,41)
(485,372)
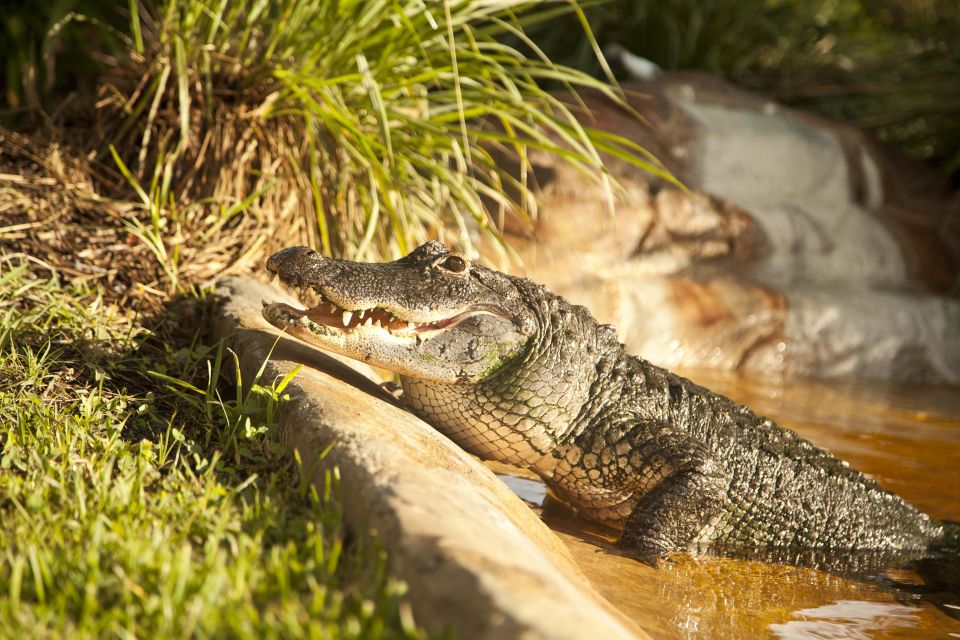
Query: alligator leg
(689,497)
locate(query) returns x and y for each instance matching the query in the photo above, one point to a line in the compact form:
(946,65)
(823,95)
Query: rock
(474,556)
(802,247)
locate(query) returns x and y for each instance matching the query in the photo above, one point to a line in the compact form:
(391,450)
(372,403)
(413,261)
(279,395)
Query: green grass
(135,502)
(360,127)
(218,132)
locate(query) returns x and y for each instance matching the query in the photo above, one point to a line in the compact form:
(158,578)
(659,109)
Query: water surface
(906,437)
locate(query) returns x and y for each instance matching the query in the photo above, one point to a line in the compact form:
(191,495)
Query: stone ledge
(475,557)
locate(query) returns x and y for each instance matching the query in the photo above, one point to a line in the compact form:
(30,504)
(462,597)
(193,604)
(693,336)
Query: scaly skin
(514,373)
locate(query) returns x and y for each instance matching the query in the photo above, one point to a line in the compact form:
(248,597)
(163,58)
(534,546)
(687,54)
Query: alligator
(513,373)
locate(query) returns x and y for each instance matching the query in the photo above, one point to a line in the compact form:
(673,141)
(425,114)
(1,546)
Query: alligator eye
(454,264)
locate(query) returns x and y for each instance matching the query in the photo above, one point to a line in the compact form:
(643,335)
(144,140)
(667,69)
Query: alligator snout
(291,260)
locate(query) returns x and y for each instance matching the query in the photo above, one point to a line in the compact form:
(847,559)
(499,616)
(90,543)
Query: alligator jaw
(325,318)
(428,315)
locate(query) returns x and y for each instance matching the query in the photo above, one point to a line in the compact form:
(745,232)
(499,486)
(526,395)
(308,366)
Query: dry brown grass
(56,209)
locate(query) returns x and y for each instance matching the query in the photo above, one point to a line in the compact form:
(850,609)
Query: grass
(225,130)
(136,502)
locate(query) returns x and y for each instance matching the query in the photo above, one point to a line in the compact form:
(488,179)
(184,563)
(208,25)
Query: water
(906,437)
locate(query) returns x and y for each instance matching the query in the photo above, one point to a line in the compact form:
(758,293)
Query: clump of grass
(363,127)
(135,502)
(226,130)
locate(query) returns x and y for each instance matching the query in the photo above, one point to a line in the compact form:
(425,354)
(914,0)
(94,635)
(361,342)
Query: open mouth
(321,312)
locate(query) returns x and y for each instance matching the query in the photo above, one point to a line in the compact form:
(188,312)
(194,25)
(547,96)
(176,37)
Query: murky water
(908,438)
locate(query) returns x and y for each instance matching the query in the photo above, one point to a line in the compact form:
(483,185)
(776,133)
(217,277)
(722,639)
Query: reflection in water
(846,619)
(858,565)
(908,438)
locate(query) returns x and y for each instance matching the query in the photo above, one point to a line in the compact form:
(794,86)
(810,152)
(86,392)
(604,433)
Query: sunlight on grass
(131,510)
(381,118)
(216,133)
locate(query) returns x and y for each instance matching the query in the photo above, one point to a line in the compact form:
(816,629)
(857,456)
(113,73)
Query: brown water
(908,438)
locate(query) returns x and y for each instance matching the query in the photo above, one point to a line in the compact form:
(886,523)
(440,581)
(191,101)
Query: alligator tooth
(411,325)
(370,321)
(377,322)
(361,313)
(347,316)
(333,308)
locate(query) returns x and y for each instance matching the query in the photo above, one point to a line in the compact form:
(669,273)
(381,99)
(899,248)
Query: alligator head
(431,315)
